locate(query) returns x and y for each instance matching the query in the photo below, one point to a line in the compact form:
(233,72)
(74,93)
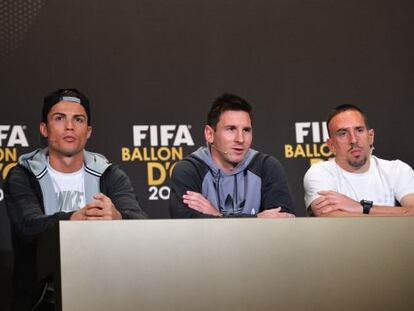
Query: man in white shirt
(355,182)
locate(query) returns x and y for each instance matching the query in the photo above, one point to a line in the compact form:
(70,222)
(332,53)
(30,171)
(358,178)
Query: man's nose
(240,136)
(69,124)
(353,137)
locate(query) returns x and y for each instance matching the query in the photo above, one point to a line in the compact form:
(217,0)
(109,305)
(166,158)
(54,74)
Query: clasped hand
(199,203)
(101,208)
(330,201)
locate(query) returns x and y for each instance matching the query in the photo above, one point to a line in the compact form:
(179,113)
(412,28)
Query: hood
(228,192)
(36,162)
(204,154)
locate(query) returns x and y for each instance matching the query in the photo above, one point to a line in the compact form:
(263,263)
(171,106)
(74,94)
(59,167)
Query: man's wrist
(366,206)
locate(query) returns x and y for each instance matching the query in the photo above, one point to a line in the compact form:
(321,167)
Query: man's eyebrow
(342,129)
(65,114)
(235,125)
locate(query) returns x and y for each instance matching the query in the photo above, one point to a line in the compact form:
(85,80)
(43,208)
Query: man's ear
(209,134)
(330,144)
(43,129)
(89,131)
(371,135)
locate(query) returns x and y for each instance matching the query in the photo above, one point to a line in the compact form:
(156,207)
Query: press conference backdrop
(152,68)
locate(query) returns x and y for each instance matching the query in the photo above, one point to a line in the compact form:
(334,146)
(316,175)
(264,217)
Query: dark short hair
(224,103)
(65,94)
(342,108)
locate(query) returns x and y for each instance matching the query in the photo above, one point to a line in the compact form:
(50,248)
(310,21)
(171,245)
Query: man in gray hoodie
(60,182)
(228,178)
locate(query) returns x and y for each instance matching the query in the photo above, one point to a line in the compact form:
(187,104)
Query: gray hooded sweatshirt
(256,183)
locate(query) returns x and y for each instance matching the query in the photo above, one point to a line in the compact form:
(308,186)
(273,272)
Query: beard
(358,163)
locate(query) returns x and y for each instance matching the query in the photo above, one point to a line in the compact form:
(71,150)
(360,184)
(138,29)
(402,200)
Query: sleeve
(275,188)
(404,183)
(186,176)
(24,206)
(117,186)
(316,179)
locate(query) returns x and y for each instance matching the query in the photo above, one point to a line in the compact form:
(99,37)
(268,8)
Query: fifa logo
(160,147)
(162,135)
(11,137)
(310,142)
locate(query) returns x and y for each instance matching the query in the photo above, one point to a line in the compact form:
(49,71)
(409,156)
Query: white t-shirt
(69,188)
(384,183)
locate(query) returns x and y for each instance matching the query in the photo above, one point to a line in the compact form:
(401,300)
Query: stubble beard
(358,163)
